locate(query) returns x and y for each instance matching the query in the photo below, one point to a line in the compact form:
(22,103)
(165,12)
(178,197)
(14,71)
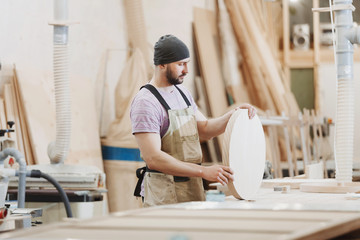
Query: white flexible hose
(344,121)
(58,150)
(344,130)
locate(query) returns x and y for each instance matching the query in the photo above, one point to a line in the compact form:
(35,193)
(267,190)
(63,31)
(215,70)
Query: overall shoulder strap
(153,90)
(184,97)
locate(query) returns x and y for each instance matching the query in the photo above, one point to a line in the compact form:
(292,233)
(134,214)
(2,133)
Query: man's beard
(173,80)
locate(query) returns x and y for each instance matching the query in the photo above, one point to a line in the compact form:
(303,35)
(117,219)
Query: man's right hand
(218,173)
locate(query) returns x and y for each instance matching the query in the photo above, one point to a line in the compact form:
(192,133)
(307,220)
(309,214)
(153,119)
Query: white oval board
(244,151)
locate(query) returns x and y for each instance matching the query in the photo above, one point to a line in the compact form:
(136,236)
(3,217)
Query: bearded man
(168,128)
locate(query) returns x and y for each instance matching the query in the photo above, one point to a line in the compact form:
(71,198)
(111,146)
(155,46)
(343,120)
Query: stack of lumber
(266,79)
(237,54)
(261,78)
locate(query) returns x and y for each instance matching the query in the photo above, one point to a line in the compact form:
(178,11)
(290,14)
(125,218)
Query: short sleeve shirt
(148,115)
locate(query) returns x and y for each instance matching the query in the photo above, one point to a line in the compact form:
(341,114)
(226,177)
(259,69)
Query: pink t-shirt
(148,115)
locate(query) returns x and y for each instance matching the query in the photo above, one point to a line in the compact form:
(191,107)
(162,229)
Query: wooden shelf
(301,59)
(305,59)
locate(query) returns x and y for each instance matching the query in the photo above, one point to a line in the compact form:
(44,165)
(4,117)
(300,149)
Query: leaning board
(38,95)
(244,151)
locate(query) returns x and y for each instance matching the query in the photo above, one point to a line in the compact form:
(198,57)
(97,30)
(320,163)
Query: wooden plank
(315,141)
(288,149)
(231,58)
(197,222)
(204,30)
(269,150)
(294,183)
(3,124)
(208,57)
(40,115)
(316,33)
(203,107)
(274,140)
(306,118)
(254,95)
(286,37)
(331,187)
(257,9)
(332,229)
(293,134)
(293,106)
(10,113)
(191,223)
(303,128)
(28,152)
(273,19)
(64,232)
(237,214)
(18,124)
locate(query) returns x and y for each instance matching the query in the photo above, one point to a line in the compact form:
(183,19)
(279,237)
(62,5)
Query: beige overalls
(182,142)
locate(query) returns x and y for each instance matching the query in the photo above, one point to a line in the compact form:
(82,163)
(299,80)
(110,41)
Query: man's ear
(162,66)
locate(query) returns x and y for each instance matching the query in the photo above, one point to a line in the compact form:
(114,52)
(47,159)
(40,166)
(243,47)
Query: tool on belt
(140,173)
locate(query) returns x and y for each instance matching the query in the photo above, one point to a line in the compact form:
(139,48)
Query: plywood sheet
(167,223)
(244,151)
(37,91)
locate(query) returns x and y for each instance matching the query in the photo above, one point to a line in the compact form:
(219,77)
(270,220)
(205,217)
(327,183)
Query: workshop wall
(98,43)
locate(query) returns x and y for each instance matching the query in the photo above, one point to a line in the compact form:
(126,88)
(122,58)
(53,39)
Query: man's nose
(185,70)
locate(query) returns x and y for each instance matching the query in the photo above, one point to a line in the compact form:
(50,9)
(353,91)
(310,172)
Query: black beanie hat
(169,49)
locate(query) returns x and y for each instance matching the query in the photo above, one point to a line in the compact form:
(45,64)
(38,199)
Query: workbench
(272,215)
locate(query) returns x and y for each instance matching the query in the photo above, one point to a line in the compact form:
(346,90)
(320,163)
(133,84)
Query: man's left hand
(251,109)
